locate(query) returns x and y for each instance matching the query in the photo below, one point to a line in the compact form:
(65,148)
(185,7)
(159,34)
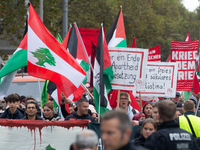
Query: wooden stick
(140,101)
(118,97)
(87,91)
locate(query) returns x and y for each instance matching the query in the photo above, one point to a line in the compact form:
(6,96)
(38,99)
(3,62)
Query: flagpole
(87,91)
(41,17)
(84,48)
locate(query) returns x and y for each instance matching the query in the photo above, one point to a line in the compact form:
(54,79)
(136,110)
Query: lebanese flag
(116,36)
(103,74)
(48,59)
(134,43)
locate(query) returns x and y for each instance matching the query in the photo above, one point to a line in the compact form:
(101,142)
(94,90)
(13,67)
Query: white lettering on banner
(186,75)
(153,57)
(179,136)
(128,66)
(184,55)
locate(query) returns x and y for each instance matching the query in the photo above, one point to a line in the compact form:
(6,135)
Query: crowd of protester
(166,124)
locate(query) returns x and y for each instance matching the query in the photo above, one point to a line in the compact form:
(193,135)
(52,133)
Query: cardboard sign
(184,53)
(161,79)
(128,66)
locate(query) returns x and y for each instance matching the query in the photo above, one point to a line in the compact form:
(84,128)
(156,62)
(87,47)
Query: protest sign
(128,66)
(184,53)
(160,80)
(154,54)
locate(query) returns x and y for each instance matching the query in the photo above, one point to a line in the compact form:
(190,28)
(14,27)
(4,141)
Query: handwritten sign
(128,66)
(161,79)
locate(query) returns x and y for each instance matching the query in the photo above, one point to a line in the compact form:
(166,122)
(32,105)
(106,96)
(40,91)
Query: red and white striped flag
(48,59)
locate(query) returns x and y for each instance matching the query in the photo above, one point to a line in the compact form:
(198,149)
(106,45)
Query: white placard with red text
(128,66)
(161,79)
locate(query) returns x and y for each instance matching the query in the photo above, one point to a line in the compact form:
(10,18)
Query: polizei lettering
(180,137)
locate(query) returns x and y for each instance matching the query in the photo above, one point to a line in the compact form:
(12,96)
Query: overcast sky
(191,5)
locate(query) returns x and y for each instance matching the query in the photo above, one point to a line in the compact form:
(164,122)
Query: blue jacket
(18,114)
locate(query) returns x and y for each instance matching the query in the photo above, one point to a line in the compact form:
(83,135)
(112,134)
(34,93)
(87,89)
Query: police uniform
(171,137)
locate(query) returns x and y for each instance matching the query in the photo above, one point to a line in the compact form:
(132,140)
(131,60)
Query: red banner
(184,53)
(88,35)
(154,54)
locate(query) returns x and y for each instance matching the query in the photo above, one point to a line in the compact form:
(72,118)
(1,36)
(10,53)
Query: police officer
(170,136)
(189,121)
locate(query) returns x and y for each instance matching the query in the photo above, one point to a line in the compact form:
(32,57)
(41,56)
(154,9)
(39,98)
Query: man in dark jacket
(82,112)
(13,112)
(169,136)
(31,110)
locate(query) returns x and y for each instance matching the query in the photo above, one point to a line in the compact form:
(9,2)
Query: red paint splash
(33,124)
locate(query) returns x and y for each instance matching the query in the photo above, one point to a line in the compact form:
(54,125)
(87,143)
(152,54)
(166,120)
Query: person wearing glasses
(31,111)
(124,105)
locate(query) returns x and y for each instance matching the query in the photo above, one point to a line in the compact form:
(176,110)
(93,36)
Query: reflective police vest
(195,122)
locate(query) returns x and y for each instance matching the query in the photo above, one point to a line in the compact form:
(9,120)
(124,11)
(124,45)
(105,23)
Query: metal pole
(65,18)
(41,17)
(41,10)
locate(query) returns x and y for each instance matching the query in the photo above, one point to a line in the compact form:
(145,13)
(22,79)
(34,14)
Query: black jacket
(138,141)
(76,116)
(36,118)
(55,118)
(18,114)
(171,137)
(132,147)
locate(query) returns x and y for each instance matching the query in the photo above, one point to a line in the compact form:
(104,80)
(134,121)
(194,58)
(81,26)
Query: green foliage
(152,22)
(44,56)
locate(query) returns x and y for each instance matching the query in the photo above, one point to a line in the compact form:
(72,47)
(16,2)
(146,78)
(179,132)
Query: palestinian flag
(65,41)
(17,61)
(116,36)
(103,74)
(48,59)
(77,49)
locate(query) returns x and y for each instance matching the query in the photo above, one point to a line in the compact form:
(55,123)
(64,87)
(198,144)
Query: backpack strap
(190,126)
